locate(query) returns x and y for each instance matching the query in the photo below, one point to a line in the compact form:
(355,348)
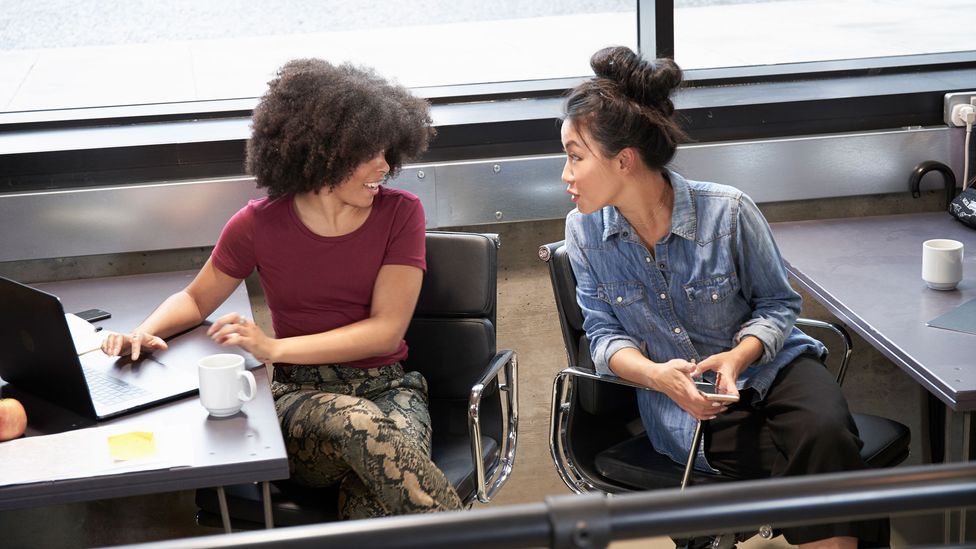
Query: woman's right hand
(118,344)
(673,378)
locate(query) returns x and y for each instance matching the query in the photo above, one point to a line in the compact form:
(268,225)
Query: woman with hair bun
(341,259)
(681,279)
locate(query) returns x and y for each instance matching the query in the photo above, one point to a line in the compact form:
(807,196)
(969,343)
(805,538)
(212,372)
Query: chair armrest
(508,387)
(578,480)
(590,374)
(839,331)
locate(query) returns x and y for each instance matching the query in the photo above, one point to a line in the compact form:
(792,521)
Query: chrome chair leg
(266,496)
(224,513)
(692,454)
(720,541)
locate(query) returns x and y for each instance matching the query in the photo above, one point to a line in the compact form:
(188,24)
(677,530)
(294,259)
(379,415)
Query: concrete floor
(527,322)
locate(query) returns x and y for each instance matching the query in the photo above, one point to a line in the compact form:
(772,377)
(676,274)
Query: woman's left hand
(235,329)
(726,367)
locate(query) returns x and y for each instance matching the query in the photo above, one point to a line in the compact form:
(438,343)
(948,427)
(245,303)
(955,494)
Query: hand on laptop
(134,343)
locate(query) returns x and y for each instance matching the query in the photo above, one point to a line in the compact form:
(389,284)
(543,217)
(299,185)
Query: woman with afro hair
(341,259)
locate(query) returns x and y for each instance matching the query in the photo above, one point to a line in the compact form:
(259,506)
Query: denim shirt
(714,279)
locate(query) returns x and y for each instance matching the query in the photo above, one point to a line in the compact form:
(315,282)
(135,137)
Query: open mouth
(374,185)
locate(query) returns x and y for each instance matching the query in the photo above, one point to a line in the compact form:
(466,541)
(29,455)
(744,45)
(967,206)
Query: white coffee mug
(224,384)
(942,263)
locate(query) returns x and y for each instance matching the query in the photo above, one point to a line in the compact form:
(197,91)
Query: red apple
(13,419)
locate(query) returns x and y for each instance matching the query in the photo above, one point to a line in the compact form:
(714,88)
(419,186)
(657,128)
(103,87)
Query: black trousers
(803,426)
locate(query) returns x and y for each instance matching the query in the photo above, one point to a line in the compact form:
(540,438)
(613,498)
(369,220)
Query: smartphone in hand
(711,392)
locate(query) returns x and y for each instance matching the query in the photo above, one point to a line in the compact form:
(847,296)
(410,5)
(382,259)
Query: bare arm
(395,294)
(180,311)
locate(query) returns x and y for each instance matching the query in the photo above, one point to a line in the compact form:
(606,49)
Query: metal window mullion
(655,28)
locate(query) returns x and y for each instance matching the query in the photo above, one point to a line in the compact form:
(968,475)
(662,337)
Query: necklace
(662,201)
(647,231)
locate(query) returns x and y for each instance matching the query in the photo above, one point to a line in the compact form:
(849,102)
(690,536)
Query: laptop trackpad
(120,384)
(145,372)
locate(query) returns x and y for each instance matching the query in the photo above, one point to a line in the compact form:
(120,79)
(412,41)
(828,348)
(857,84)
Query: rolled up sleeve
(602,328)
(775,304)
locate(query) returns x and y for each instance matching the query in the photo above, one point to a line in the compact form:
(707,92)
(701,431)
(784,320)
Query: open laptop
(38,356)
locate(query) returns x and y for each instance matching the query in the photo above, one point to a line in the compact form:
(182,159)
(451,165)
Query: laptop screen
(36,351)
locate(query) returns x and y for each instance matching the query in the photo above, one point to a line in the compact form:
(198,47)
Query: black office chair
(597,440)
(472,388)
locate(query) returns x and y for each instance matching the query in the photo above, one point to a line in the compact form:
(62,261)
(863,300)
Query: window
(101,92)
(739,33)
(69,54)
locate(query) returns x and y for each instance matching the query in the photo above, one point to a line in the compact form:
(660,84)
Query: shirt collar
(684,219)
(613,222)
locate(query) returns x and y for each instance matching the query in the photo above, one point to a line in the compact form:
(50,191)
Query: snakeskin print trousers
(365,429)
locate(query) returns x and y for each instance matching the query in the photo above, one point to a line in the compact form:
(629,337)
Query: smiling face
(590,178)
(363,184)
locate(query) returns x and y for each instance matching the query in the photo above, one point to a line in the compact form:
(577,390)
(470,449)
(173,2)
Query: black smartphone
(94,315)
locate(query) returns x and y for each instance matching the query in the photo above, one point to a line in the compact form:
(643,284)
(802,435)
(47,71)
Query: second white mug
(224,384)
(942,263)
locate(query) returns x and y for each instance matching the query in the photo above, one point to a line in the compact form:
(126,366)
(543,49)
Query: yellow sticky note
(134,445)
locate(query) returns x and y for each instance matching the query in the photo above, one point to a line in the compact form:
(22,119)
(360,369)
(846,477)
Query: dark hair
(318,122)
(628,104)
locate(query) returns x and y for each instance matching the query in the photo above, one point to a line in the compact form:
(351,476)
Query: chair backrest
(452,335)
(451,338)
(570,315)
(600,414)
(594,397)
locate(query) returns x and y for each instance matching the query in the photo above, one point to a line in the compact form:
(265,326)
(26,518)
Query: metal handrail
(596,519)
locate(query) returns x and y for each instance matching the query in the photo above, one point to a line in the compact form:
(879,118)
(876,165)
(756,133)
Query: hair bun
(649,83)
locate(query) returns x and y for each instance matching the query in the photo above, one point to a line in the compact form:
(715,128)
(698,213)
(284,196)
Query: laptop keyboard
(106,389)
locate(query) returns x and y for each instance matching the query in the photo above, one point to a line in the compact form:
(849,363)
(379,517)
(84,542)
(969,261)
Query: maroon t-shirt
(314,283)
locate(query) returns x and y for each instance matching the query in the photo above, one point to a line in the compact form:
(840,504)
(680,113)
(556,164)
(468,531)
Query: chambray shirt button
(663,296)
(626,234)
(661,266)
(647,259)
(620,299)
(714,297)
(677,330)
